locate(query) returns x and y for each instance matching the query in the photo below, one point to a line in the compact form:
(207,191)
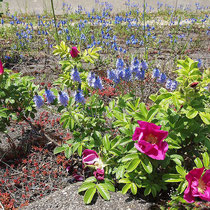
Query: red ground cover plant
(32,177)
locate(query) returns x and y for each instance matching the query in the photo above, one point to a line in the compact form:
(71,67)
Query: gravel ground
(40,6)
(69,198)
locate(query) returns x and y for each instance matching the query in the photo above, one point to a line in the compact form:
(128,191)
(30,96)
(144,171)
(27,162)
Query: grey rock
(68,199)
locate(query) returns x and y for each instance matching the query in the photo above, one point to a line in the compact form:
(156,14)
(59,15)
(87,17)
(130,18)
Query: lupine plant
(149,154)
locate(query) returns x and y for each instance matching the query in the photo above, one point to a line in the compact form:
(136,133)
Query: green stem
(145,47)
(56,30)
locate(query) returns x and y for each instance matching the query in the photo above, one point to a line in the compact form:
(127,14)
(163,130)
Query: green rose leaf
(103,191)
(89,195)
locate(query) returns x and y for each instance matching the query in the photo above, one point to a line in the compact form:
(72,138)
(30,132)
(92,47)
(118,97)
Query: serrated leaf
(191,114)
(181,171)
(120,172)
(68,152)
(126,188)
(133,188)
(85,186)
(109,186)
(106,142)
(205,160)
(125,181)
(89,195)
(146,165)
(133,165)
(172,178)
(130,157)
(147,191)
(91,179)
(58,150)
(143,109)
(198,162)
(103,191)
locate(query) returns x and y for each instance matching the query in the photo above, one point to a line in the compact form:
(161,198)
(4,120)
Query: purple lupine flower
(168,83)
(79,97)
(174,85)
(127,75)
(135,65)
(199,63)
(63,98)
(98,83)
(162,78)
(140,75)
(155,73)
(75,75)
(50,96)
(144,65)
(119,64)
(38,100)
(91,79)
(111,75)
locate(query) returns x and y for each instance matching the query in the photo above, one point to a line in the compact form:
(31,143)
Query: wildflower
(174,85)
(50,96)
(194,84)
(127,75)
(144,65)
(74,52)
(140,75)
(63,98)
(168,84)
(38,100)
(79,97)
(112,75)
(119,64)
(156,73)
(1,68)
(150,140)
(199,63)
(135,65)
(91,79)
(99,174)
(162,78)
(198,185)
(98,83)
(75,75)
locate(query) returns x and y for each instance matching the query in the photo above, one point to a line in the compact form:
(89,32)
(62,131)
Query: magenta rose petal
(150,140)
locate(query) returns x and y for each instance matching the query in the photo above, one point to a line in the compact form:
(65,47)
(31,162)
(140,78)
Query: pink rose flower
(99,174)
(150,140)
(1,68)
(198,185)
(89,157)
(74,52)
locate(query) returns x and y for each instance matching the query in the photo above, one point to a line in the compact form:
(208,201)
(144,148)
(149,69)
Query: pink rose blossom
(89,157)
(150,140)
(74,52)
(99,174)
(198,185)
(1,68)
